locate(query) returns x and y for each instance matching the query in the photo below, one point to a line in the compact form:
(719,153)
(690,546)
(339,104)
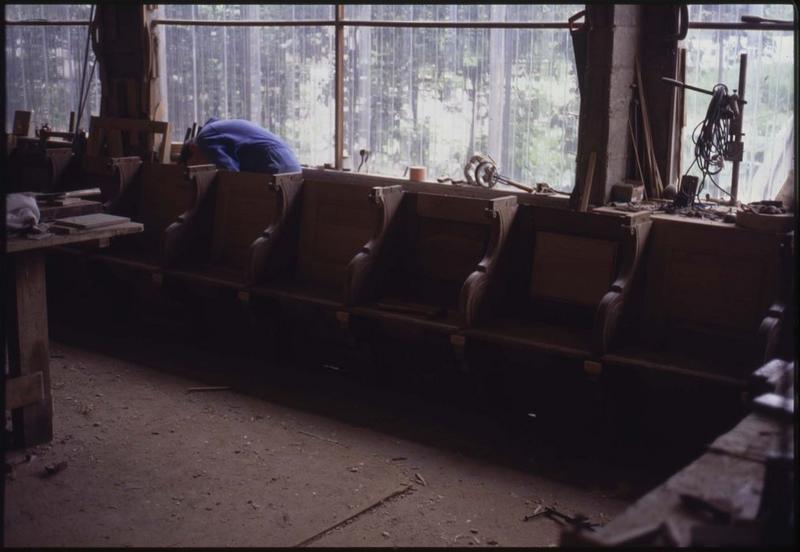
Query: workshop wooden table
(731,471)
(28,373)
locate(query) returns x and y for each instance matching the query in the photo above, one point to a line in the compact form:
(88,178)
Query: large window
(44,64)
(712,56)
(280,77)
(434,96)
(421,84)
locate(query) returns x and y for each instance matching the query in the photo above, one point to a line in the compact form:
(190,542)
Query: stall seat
(339,231)
(713,303)
(438,263)
(250,210)
(566,283)
(173,204)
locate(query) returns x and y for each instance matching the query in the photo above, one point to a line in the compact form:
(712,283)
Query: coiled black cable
(711,136)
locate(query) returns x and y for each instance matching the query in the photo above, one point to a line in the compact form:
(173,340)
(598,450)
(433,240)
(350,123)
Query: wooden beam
(658,55)
(586,191)
(743,26)
(338,131)
(24,390)
(28,344)
(353,23)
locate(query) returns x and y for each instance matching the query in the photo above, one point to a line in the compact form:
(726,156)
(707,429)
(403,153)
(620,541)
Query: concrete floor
(286,454)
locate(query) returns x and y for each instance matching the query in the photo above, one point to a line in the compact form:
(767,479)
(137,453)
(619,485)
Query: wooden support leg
(345,331)
(28,344)
(458,343)
(243,297)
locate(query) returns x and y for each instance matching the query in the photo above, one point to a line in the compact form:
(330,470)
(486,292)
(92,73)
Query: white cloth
(21,211)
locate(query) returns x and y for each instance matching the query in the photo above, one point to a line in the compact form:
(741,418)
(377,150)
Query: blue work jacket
(239,145)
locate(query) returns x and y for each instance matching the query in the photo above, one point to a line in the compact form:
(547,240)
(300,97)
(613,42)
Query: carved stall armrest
(125,170)
(114,178)
(263,256)
(769,330)
(387,201)
(192,229)
(474,290)
(609,311)
(58,159)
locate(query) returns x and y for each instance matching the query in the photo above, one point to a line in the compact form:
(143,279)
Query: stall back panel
(444,239)
(708,279)
(572,269)
(711,291)
(337,220)
(165,194)
(246,206)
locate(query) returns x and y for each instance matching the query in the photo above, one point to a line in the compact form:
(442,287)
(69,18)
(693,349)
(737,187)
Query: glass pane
(43,74)
(732,13)
(58,12)
(713,57)
(280,78)
(434,97)
(462,12)
(291,12)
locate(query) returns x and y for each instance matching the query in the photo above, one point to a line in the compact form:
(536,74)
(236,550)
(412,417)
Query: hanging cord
(710,138)
(84,92)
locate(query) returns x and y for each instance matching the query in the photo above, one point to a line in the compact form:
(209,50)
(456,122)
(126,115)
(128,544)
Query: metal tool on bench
(688,191)
(481,170)
(192,132)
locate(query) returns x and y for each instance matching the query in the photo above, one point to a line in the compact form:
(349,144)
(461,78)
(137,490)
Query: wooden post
(28,349)
(338,131)
(658,51)
(612,41)
(738,128)
(586,191)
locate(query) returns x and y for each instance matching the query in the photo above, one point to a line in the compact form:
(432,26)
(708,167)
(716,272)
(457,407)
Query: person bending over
(239,145)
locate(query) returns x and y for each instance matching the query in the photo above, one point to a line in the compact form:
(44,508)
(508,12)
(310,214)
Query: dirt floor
(150,463)
(290,456)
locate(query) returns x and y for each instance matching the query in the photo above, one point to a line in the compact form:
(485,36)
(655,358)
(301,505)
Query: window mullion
(338,130)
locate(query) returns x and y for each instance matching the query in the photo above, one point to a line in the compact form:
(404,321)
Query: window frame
(339,22)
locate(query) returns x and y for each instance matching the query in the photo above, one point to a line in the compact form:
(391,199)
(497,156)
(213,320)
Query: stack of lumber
(71,225)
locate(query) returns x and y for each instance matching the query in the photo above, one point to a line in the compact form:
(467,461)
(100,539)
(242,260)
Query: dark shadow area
(623,433)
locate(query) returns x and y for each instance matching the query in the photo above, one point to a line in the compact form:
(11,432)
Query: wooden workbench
(28,375)
(732,470)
